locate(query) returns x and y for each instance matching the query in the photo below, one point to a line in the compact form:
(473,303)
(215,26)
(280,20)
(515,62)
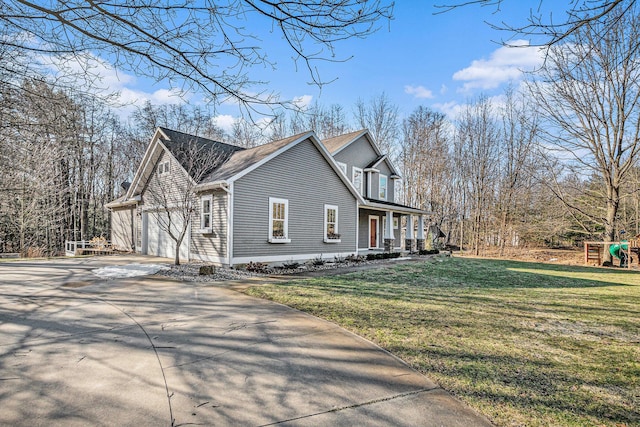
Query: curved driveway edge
(158,352)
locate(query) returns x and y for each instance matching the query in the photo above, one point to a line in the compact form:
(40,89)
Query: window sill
(206,231)
(332,240)
(272,240)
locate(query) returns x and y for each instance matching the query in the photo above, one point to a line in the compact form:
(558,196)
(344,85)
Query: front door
(373,231)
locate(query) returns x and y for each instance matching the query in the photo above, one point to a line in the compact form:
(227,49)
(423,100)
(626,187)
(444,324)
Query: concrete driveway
(76,350)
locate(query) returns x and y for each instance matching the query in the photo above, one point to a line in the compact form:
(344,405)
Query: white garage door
(158,241)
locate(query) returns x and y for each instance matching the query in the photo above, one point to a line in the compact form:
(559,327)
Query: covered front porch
(390,227)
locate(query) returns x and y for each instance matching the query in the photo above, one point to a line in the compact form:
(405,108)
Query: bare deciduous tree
(589,94)
(476,155)
(208,46)
(380,117)
(545,24)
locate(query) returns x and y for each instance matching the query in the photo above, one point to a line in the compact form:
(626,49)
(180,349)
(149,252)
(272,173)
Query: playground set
(622,250)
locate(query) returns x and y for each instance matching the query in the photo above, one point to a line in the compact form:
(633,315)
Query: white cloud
(100,78)
(418,92)
(505,64)
(451,109)
(303,101)
(225,122)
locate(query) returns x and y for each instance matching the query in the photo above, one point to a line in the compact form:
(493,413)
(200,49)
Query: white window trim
(286,239)
(164,168)
(206,230)
(343,167)
(326,239)
(386,187)
(353,177)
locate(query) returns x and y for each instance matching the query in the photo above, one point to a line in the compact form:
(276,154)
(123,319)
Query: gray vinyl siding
(375,184)
(359,153)
(168,190)
(122,231)
(214,244)
(303,177)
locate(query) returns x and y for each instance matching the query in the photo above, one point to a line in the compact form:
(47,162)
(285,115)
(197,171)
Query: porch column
(388,232)
(408,242)
(420,238)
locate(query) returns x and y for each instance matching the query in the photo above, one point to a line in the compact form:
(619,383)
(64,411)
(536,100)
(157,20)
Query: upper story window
(163,167)
(383,187)
(331,224)
(357,179)
(343,167)
(278,220)
(206,209)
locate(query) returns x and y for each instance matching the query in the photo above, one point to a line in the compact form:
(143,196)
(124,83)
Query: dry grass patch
(525,344)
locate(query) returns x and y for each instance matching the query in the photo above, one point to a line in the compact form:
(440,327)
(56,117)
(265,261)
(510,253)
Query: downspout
(230,225)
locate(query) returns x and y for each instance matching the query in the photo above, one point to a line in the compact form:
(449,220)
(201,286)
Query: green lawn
(523,343)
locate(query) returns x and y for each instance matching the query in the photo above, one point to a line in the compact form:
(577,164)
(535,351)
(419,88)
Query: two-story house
(379,183)
(293,199)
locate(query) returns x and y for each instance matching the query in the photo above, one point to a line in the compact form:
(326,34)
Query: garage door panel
(159,242)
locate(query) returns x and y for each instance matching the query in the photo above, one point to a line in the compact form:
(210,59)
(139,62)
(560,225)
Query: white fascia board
(215,185)
(399,209)
(394,171)
(334,165)
(143,164)
(123,203)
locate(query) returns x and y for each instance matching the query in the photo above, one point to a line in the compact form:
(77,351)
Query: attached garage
(156,239)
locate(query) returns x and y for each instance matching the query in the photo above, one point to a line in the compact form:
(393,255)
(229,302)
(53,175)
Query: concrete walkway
(78,351)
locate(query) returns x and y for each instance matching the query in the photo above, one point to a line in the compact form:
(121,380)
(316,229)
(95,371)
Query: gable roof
(338,143)
(234,162)
(241,161)
(182,145)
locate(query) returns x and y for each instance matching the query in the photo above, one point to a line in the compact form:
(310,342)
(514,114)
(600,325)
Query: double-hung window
(357,179)
(206,209)
(331,224)
(163,167)
(383,187)
(278,220)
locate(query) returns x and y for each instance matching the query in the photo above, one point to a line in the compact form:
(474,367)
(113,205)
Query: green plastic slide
(615,250)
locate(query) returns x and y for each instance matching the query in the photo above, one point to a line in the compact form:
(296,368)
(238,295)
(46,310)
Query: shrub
(429,252)
(256,267)
(291,264)
(318,261)
(354,258)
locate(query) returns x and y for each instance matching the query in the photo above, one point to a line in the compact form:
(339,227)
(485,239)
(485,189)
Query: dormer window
(383,187)
(163,168)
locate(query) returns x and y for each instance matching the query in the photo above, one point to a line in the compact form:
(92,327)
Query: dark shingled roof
(183,146)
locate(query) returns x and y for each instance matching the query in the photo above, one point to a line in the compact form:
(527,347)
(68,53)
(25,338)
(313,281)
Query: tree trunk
(613,202)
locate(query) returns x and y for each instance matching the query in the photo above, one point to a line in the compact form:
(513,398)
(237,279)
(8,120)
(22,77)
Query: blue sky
(419,58)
